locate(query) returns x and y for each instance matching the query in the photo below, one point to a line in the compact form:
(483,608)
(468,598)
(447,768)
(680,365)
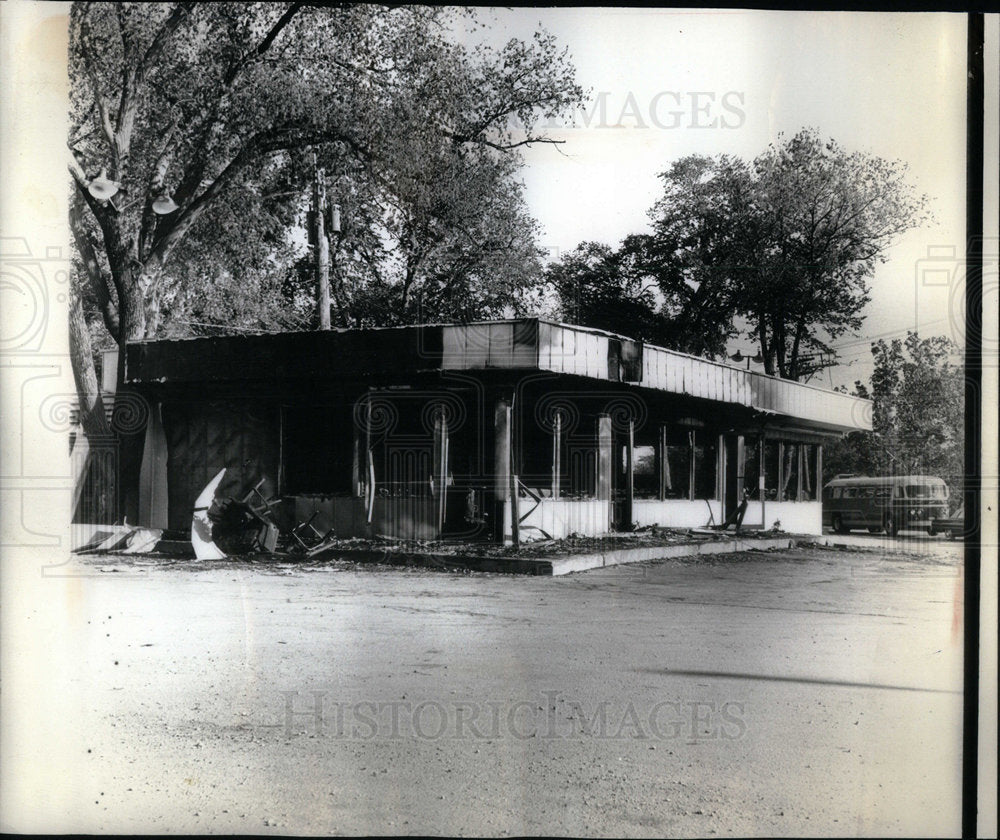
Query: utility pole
(322,252)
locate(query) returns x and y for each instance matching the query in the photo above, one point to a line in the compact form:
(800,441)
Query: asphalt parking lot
(918,542)
(810,691)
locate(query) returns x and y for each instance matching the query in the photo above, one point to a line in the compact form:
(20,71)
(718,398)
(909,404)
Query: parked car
(951,526)
(889,503)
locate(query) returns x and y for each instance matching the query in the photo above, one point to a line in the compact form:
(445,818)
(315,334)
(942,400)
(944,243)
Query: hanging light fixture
(103,187)
(164,204)
(738,357)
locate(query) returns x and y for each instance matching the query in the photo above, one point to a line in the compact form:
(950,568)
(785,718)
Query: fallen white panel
(201,525)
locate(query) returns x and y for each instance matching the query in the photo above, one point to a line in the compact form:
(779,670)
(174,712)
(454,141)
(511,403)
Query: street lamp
(739,357)
(102,187)
(164,204)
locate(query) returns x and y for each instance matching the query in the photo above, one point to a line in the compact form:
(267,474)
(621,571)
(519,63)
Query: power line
(867,340)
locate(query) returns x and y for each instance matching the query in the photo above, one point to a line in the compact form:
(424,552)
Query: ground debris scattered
(647,537)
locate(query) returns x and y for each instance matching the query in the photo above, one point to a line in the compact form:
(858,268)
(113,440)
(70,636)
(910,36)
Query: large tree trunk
(766,349)
(92,417)
(94,499)
(131,410)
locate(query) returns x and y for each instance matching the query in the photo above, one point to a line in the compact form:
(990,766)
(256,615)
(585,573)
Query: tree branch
(458,139)
(180,11)
(132,80)
(107,222)
(98,279)
(100,211)
(265,142)
(92,416)
(193,177)
(150,220)
(86,51)
(263,46)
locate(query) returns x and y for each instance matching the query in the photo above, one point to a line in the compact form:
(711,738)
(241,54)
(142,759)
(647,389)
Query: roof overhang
(512,346)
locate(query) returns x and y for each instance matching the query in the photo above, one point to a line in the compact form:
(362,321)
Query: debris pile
(220,528)
(247,525)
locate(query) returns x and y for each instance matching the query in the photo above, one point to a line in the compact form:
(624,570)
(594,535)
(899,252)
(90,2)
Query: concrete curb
(563,564)
(581,562)
(890,545)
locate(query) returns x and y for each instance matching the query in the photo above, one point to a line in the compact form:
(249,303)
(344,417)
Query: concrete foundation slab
(561,564)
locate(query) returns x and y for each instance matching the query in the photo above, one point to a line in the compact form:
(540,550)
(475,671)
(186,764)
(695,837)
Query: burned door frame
(731,471)
(622,476)
(194,429)
(447,417)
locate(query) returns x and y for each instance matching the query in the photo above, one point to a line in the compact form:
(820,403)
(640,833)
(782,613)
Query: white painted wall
(795,517)
(677,513)
(561,517)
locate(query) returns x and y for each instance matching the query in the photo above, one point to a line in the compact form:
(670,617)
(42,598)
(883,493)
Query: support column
(720,474)
(662,464)
(441,465)
(629,476)
(691,461)
(501,465)
(604,462)
(357,461)
(819,471)
(153,473)
(801,483)
(741,466)
(556,454)
(781,472)
(762,476)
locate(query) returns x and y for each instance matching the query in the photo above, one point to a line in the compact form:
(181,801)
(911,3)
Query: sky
(675,82)
(889,84)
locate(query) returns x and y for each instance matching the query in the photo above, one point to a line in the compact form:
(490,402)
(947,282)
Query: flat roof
(513,344)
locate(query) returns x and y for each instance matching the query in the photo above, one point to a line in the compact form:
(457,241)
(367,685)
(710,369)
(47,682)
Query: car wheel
(933,531)
(891,528)
(838,525)
(873,529)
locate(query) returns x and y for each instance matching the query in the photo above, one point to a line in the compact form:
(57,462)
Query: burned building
(468,431)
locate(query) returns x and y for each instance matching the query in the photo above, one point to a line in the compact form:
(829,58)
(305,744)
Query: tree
(917,393)
(213,103)
(820,221)
(785,245)
(450,238)
(596,289)
(919,405)
(673,286)
(694,251)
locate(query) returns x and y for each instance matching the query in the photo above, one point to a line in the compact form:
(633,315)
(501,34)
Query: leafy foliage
(918,414)
(596,290)
(452,240)
(823,219)
(786,244)
(214,104)
(661,287)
